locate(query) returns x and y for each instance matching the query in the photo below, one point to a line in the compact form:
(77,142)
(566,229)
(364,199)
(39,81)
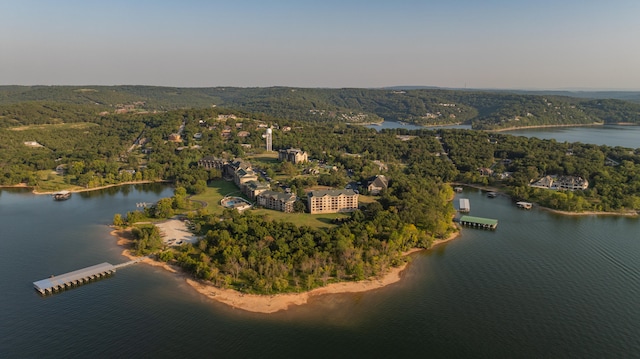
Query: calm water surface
(541,285)
(624,136)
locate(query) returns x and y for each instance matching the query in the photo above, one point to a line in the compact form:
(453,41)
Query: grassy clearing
(216,190)
(57,126)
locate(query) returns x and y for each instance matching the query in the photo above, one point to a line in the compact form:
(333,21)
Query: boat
(492,195)
(62,195)
(457,189)
(524,205)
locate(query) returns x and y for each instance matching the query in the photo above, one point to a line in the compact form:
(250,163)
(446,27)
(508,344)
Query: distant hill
(412,104)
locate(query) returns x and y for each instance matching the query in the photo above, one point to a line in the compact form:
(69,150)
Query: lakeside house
(332,201)
(570,183)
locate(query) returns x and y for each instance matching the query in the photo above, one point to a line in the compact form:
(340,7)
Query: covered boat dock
(74,279)
(464,205)
(478,222)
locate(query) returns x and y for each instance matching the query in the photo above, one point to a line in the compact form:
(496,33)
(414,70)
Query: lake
(610,135)
(541,285)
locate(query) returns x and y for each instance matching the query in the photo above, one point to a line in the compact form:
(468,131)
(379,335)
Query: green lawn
(216,190)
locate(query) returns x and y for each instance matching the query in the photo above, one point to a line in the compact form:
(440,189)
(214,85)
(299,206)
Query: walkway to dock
(79,277)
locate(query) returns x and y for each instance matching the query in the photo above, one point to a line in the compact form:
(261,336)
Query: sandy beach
(267,303)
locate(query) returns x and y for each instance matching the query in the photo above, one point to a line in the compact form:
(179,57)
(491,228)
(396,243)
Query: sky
(508,44)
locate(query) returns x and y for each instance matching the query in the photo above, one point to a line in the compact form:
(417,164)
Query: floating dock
(62,195)
(478,222)
(74,279)
(524,205)
(464,205)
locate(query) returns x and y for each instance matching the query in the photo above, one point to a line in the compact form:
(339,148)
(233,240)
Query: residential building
(377,184)
(210,162)
(332,201)
(570,183)
(293,155)
(277,200)
(253,188)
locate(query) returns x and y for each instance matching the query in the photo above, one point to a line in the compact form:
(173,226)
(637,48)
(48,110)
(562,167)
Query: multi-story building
(293,155)
(332,201)
(277,200)
(210,162)
(253,188)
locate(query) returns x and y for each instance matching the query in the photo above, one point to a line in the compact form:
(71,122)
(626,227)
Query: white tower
(269,137)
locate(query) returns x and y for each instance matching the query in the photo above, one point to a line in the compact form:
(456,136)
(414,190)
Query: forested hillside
(485,110)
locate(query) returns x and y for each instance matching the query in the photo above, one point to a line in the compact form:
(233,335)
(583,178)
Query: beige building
(277,200)
(293,155)
(332,201)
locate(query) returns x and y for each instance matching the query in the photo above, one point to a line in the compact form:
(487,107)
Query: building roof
(379,181)
(254,185)
(479,220)
(280,196)
(332,192)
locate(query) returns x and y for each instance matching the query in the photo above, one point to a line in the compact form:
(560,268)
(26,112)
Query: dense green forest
(485,110)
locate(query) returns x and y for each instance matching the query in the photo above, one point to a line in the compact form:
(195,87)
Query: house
(332,201)
(175,137)
(570,183)
(484,171)
(243,134)
(293,155)
(377,184)
(277,200)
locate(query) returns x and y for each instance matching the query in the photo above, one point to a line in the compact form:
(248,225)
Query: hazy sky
(541,44)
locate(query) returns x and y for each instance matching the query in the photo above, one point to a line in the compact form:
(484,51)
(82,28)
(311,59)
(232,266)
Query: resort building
(293,155)
(277,200)
(253,188)
(332,201)
(377,184)
(210,162)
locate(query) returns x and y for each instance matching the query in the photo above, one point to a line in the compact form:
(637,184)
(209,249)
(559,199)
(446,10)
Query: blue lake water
(541,285)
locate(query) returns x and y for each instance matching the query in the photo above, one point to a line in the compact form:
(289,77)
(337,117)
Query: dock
(62,195)
(478,222)
(58,283)
(464,205)
(74,279)
(524,205)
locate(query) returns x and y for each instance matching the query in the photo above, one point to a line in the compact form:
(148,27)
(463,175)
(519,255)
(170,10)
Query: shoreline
(516,128)
(78,190)
(267,304)
(556,211)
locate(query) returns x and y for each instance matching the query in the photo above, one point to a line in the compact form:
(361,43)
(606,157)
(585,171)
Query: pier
(58,283)
(478,222)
